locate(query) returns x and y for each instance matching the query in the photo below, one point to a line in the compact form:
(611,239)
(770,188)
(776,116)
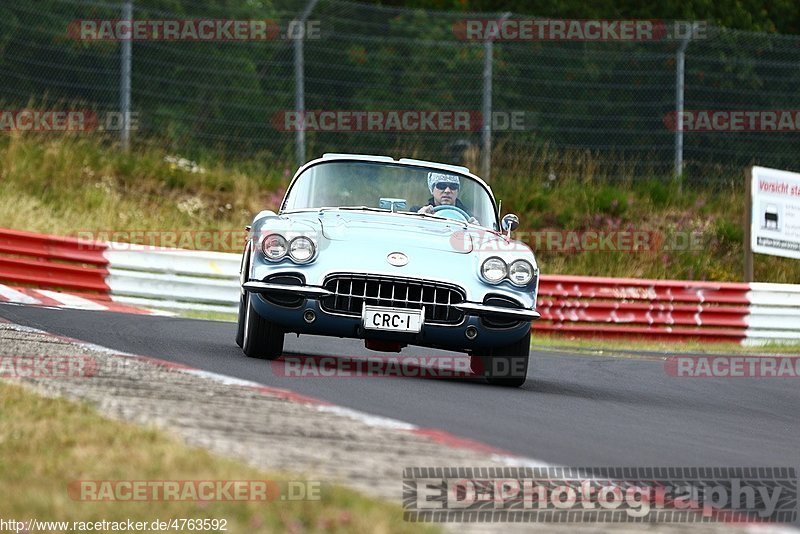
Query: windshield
(399,188)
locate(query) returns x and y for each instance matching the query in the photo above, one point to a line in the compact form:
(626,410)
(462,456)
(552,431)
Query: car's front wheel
(504,366)
(243,276)
(262,339)
(240,323)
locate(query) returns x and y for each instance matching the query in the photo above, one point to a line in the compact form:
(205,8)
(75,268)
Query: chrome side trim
(304,291)
(482,309)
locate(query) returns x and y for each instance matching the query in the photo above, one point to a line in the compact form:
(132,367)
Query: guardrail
(173,278)
(774,312)
(52,262)
(617,307)
(576,306)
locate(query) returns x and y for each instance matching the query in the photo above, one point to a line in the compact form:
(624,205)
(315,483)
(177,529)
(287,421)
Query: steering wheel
(455,209)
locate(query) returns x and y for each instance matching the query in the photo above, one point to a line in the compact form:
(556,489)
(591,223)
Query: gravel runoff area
(268,430)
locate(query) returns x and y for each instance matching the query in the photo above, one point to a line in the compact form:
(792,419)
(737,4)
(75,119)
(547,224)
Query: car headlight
(274,247)
(520,273)
(494,270)
(301,249)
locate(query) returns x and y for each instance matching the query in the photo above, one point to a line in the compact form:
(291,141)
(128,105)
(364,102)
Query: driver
(444,188)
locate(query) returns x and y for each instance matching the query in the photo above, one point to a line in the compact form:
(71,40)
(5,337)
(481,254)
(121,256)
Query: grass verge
(648,348)
(47,443)
(207,315)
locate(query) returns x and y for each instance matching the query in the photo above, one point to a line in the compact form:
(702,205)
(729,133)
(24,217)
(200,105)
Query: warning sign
(775,227)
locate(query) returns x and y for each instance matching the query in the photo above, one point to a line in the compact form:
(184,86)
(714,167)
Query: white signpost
(775,222)
(773,215)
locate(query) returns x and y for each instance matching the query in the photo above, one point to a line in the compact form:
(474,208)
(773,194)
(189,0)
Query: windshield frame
(395,163)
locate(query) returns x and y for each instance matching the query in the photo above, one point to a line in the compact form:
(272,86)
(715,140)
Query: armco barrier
(774,313)
(173,278)
(615,307)
(576,306)
(52,262)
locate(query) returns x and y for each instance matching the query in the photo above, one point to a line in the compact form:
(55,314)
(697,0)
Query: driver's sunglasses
(441,186)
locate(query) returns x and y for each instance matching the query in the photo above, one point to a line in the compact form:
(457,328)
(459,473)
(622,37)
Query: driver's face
(446,197)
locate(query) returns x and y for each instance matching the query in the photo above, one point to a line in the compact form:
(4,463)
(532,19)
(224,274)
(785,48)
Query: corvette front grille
(351,291)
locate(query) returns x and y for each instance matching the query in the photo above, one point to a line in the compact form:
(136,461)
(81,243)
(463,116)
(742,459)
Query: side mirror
(509,223)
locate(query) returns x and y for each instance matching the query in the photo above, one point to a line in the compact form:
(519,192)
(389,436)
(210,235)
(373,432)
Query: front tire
(244,274)
(262,339)
(504,366)
(240,323)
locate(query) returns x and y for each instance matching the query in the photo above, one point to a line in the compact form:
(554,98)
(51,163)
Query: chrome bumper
(303,291)
(470,308)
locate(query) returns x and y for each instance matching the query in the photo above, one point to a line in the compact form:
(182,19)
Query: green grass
(208,315)
(72,184)
(643,348)
(45,444)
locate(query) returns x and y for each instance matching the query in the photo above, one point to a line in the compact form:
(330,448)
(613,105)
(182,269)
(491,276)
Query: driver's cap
(436,177)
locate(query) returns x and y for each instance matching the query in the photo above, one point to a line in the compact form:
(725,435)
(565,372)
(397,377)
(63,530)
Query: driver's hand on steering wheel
(473,220)
(426,209)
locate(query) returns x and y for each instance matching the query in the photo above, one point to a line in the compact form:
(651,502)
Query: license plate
(391,319)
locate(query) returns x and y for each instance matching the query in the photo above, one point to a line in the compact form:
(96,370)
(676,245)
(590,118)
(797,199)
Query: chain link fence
(604,107)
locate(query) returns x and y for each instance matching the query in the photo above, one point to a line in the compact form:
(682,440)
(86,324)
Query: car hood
(378,229)
(399,229)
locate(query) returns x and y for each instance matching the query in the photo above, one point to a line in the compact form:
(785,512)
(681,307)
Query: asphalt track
(574,409)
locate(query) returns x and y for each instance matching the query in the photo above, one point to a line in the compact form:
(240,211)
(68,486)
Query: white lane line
(376,421)
(12,295)
(72,301)
(222,379)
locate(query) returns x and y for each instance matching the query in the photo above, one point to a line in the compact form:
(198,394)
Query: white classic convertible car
(395,252)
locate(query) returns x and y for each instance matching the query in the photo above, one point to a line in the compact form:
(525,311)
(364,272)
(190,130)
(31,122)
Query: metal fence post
(680,75)
(126,53)
(299,85)
(486,127)
(486,111)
